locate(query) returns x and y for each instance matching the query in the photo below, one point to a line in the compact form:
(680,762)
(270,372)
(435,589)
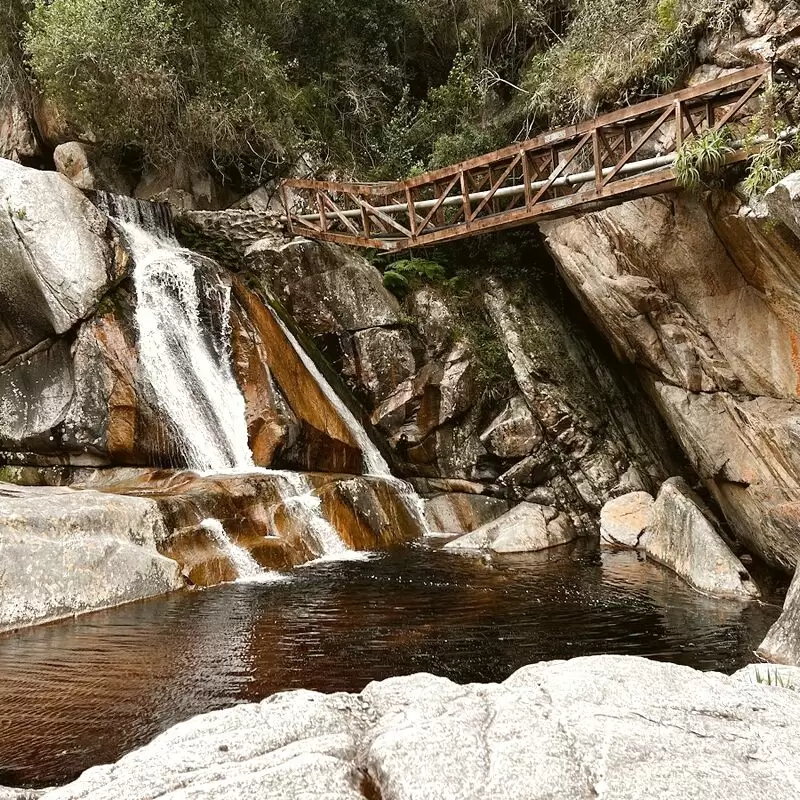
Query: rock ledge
(587,728)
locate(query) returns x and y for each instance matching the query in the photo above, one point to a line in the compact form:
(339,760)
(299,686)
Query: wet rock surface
(65,552)
(782,644)
(72,388)
(525,528)
(541,432)
(580,729)
(124,534)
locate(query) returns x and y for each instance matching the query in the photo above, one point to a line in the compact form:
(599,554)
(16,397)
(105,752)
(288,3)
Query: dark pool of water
(86,691)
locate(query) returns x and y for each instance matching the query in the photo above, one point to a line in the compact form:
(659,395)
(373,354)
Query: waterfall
(374,462)
(183,318)
(244,564)
(298,496)
(185,360)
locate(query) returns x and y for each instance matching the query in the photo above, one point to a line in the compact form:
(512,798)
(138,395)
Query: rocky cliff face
(698,295)
(71,385)
(555,422)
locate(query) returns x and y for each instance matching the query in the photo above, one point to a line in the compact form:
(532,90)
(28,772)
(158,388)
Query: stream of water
(185,361)
(86,691)
(245,565)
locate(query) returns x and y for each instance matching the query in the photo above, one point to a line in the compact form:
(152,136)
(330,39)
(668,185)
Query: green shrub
(381,88)
(774,161)
(701,160)
(616,52)
(157,77)
(400,277)
(396,283)
(13,80)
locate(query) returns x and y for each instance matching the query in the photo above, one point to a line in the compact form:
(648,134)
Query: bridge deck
(604,161)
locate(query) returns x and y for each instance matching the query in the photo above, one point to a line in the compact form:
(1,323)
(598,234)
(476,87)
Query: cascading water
(374,462)
(185,361)
(244,564)
(300,500)
(185,356)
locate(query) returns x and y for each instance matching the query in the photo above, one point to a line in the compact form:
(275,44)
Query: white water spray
(245,565)
(302,503)
(374,462)
(187,366)
(183,320)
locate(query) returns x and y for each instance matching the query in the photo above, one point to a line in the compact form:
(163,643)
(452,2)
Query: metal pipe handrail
(579,178)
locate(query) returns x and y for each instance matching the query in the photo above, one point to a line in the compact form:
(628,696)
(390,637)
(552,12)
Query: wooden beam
(564,164)
(501,180)
(629,154)
(338,213)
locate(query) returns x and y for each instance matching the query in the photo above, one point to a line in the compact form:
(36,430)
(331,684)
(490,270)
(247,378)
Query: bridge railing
(606,160)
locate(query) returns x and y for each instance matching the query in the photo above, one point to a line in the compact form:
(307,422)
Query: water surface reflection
(86,691)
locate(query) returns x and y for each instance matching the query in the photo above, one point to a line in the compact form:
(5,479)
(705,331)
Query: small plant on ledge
(776,159)
(403,276)
(701,160)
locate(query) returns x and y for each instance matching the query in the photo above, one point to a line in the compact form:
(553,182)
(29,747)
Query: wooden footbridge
(615,157)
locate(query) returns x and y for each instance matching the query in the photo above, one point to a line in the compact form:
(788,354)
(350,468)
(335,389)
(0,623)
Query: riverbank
(616,727)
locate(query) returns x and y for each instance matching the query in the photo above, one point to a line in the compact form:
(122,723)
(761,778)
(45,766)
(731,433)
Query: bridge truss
(615,157)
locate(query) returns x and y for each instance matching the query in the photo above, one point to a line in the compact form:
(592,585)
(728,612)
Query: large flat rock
(587,728)
(65,552)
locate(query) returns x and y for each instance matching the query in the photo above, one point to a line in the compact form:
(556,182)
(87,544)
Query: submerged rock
(682,538)
(64,552)
(623,520)
(782,643)
(525,528)
(589,727)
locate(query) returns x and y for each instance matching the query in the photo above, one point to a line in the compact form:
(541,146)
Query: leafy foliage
(402,276)
(159,77)
(384,88)
(701,160)
(775,160)
(13,14)
(615,52)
